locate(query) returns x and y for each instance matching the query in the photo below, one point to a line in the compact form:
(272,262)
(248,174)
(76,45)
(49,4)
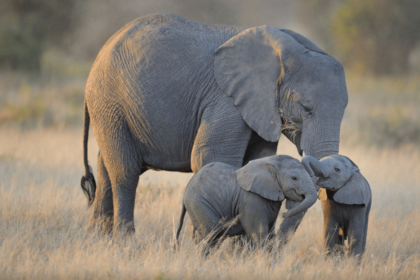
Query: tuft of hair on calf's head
(88,185)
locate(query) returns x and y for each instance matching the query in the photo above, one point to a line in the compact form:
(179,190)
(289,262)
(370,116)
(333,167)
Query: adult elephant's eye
(336,169)
(294,178)
(308,109)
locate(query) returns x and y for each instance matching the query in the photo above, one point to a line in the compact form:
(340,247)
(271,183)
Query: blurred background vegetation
(48,46)
(373,36)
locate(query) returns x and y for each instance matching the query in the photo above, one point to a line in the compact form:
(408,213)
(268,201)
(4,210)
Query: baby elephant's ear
(259,176)
(355,192)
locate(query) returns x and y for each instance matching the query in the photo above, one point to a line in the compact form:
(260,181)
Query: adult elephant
(168,93)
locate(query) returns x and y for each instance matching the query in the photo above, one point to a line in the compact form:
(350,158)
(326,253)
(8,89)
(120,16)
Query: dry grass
(43,210)
(43,217)
(382,111)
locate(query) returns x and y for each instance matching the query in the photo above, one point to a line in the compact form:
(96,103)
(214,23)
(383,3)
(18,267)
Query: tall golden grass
(43,215)
(43,212)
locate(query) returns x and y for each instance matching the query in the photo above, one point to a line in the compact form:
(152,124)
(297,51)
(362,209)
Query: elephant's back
(148,42)
(154,74)
(213,177)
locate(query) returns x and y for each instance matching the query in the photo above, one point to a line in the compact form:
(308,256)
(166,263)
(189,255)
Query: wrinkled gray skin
(346,200)
(219,193)
(168,93)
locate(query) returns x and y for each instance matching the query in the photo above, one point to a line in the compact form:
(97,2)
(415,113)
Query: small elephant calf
(253,194)
(346,199)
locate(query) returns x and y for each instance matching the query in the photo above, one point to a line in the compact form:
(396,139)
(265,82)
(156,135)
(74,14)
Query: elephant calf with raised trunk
(252,194)
(346,199)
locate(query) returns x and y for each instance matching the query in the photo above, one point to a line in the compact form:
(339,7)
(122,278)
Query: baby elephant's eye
(337,169)
(294,178)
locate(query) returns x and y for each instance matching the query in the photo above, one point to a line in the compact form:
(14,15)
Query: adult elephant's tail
(87,183)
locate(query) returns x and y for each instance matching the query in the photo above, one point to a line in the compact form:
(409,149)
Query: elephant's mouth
(322,180)
(293,131)
(296,197)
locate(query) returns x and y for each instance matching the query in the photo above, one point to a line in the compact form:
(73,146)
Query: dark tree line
(374,36)
(27,26)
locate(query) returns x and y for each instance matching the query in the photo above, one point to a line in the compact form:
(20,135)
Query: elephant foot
(238,242)
(103,226)
(123,230)
(337,252)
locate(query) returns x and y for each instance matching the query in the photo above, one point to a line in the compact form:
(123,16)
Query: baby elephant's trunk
(310,198)
(313,166)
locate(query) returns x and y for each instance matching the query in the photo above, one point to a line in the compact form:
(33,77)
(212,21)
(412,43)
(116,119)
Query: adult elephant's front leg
(259,148)
(103,208)
(223,136)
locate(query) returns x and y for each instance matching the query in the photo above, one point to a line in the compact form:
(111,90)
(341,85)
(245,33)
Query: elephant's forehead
(337,160)
(293,164)
(294,170)
(215,172)
(329,158)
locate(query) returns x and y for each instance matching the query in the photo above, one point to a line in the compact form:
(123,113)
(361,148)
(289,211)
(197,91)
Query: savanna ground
(43,211)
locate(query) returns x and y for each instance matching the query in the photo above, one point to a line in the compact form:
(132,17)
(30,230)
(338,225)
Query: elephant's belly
(173,156)
(180,165)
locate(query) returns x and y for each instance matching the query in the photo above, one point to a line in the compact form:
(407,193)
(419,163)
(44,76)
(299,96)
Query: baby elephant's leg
(205,228)
(257,230)
(331,237)
(195,233)
(341,238)
(365,229)
(256,219)
(357,237)
(211,237)
(331,229)
(239,242)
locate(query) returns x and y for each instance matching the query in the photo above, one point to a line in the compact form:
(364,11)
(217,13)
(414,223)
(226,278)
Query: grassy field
(43,211)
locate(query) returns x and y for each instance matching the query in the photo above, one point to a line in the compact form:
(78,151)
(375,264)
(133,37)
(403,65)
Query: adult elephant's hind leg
(103,209)
(124,197)
(124,164)
(124,181)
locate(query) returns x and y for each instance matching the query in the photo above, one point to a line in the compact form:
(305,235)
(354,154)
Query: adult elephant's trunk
(321,140)
(313,166)
(310,194)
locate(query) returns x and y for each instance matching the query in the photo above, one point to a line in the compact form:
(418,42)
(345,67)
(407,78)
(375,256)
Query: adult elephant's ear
(249,67)
(303,41)
(259,176)
(355,192)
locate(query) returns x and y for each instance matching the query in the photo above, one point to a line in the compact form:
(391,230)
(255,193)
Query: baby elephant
(346,199)
(253,194)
